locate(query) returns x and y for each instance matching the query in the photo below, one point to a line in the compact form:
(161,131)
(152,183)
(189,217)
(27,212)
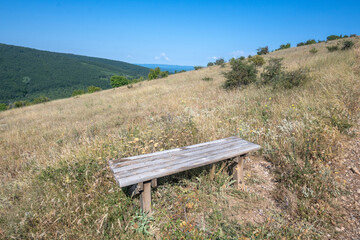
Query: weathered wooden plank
(238,172)
(180,157)
(128,171)
(145,198)
(165,154)
(123,182)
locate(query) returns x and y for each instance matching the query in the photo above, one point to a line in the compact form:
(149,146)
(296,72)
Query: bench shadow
(226,165)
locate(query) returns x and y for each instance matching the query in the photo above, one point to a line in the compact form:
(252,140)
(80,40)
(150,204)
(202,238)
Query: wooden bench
(144,170)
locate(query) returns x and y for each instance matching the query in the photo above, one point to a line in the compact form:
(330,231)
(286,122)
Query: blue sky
(171,32)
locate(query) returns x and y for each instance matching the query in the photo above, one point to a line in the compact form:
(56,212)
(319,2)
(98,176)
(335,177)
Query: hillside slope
(56,182)
(55,75)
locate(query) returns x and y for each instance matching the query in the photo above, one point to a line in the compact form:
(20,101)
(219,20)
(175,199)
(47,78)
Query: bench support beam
(145,198)
(238,171)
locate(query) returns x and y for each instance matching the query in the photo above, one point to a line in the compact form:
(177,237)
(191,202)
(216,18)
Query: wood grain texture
(132,170)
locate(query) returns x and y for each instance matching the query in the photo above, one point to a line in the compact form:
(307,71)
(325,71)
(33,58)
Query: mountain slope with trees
(27,73)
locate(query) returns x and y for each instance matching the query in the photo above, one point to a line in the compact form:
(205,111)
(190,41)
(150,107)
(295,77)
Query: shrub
(262,50)
(332,48)
(291,79)
(241,73)
(284,46)
(308,42)
(78,92)
(118,81)
(272,70)
(40,99)
(275,75)
(242,58)
(164,74)
(219,61)
(333,37)
(3,107)
(156,73)
(210,64)
(207,79)
(257,60)
(92,89)
(353,35)
(197,68)
(19,104)
(348,44)
(313,50)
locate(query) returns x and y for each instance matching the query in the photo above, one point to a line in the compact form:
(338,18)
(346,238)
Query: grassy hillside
(56,182)
(55,75)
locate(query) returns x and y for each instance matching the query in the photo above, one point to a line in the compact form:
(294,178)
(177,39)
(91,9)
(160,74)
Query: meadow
(56,183)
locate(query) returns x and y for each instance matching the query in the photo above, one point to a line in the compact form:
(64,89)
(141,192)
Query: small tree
(78,92)
(118,81)
(198,67)
(241,73)
(210,64)
(41,99)
(92,89)
(284,46)
(262,50)
(257,60)
(332,37)
(219,61)
(272,70)
(3,107)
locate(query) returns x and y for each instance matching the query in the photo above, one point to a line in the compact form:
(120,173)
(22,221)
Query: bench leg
(238,171)
(145,198)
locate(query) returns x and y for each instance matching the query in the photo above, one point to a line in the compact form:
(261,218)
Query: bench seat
(142,168)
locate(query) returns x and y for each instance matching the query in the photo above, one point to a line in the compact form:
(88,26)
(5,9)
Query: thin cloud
(238,53)
(163,56)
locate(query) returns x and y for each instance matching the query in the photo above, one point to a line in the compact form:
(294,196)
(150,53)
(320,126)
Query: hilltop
(27,73)
(304,184)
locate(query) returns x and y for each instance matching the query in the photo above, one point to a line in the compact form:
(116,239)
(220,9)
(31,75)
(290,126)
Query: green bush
(284,46)
(156,73)
(262,50)
(272,70)
(78,92)
(348,44)
(242,73)
(308,42)
(196,68)
(313,50)
(219,61)
(92,89)
(242,58)
(40,99)
(257,60)
(118,81)
(210,64)
(291,79)
(332,37)
(275,75)
(3,107)
(19,104)
(353,35)
(332,48)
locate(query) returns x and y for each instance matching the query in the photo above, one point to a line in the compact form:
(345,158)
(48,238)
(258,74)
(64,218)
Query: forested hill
(27,73)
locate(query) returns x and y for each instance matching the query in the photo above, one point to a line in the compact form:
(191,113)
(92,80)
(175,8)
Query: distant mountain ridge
(26,73)
(166,67)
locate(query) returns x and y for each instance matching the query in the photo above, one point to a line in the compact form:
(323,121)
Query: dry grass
(55,182)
